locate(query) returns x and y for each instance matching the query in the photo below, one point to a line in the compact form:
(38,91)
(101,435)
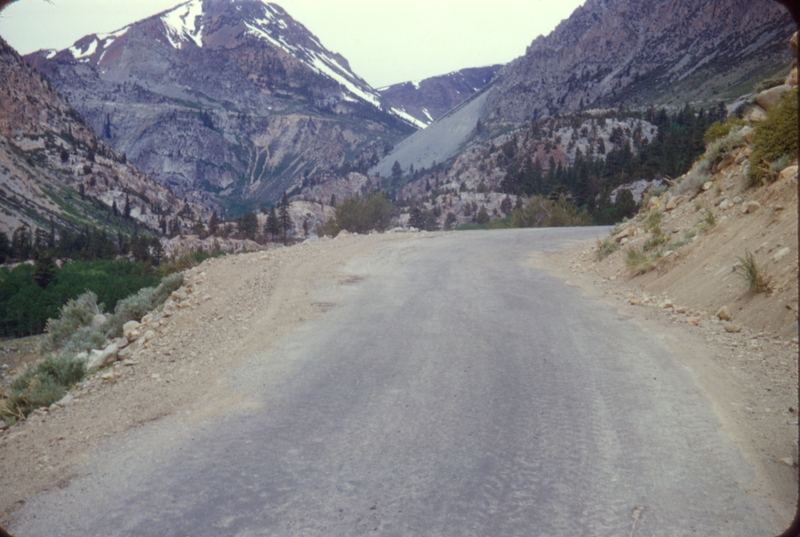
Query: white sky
(386,41)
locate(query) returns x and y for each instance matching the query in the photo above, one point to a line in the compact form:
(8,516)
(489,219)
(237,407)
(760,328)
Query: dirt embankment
(742,344)
(234,306)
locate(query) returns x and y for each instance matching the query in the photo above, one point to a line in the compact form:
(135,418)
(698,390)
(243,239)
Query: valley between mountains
(557,296)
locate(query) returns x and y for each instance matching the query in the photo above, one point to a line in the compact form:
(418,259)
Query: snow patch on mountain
(402,114)
(79,53)
(182,25)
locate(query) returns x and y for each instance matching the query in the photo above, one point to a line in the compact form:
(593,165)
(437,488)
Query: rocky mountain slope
(54,168)
(610,53)
(224,102)
(430,99)
(639,52)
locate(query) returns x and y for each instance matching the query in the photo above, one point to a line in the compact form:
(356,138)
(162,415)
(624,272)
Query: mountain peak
(184,24)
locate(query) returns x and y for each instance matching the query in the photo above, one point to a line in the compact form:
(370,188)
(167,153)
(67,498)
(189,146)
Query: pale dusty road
(452,388)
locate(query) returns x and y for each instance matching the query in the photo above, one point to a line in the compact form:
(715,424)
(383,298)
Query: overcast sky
(386,41)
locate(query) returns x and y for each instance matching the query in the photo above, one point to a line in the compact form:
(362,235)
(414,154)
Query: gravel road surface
(451,388)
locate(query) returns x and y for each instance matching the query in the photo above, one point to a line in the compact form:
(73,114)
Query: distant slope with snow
(231,101)
(428,100)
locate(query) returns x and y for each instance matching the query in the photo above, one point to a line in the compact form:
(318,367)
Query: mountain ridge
(235,102)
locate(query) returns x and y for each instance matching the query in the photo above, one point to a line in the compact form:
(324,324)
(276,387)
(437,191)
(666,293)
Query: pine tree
(213,224)
(285,219)
(45,270)
(397,172)
(273,224)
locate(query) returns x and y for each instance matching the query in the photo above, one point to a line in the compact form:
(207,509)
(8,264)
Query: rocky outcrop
(227,103)
(54,167)
(638,52)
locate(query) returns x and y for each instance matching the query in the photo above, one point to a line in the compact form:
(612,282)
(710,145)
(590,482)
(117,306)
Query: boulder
(98,320)
(757,115)
(769,99)
(128,328)
(749,135)
(127,352)
(788,172)
(98,359)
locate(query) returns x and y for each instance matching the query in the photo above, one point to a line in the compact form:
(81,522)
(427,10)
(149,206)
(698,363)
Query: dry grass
(753,275)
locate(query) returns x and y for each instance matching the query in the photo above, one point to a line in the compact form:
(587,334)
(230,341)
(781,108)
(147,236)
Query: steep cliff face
(54,168)
(430,99)
(638,52)
(229,99)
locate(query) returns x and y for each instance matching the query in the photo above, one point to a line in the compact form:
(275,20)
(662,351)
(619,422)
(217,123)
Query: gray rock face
(55,167)
(226,102)
(433,97)
(637,51)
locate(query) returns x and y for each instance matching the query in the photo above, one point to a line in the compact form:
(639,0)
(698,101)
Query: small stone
(206,297)
(707,186)
(724,314)
(788,461)
(680,309)
(155,376)
(667,304)
(780,254)
(129,362)
(749,207)
(107,376)
(66,400)
(40,411)
(3,426)
(674,202)
(693,320)
(732,328)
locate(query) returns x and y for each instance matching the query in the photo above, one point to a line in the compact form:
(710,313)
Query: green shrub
(75,314)
(137,306)
(359,215)
(40,386)
(694,179)
(544,212)
(84,340)
(637,262)
(25,307)
(775,137)
(769,83)
(654,223)
(606,247)
(185,262)
(719,130)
